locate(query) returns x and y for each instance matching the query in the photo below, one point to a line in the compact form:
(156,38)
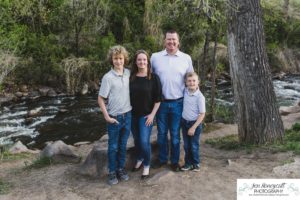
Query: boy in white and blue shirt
(192,117)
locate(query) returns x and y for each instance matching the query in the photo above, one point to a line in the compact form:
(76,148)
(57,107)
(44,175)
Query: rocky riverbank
(13,93)
(217,179)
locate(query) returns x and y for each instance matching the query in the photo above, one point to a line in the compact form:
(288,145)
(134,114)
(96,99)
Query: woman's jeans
(117,140)
(141,134)
(191,143)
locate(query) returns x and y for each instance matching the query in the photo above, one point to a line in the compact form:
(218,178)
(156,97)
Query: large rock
(286,110)
(95,164)
(19,147)
(60,152)
(23,88)
(44,91)
(52,93)
(19,94)
(85,89)
(289,170)
(34,94)
(7,98)
(34,112)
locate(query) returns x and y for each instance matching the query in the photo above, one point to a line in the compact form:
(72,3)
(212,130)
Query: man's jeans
(168,119)
(141,134)
(191,143)
(117,140)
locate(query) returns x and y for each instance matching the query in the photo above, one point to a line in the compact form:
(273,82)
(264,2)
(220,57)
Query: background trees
(43,34)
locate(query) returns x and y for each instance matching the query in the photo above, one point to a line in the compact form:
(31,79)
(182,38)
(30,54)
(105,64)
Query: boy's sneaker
(175,167)
(196,168)
(112,179)
(186,167)
(122,174)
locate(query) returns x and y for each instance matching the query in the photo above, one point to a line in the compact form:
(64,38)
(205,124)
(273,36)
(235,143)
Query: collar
(165,53)
(192,93)
(116,74)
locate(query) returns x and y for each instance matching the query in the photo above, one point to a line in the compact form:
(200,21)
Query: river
(74,119)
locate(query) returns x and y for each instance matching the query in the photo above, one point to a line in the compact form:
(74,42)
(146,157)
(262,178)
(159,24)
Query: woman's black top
(144,93)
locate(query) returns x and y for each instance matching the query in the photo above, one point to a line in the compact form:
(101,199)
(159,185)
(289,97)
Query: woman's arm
(151,116)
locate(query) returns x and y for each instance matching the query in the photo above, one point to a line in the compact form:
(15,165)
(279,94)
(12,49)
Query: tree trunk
(204,57)
(285,8)
(257,114)
(213,78)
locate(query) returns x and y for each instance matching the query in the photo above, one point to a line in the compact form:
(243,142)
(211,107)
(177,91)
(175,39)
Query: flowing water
(74,119)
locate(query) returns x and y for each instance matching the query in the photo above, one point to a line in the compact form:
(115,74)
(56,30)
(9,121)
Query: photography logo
(268,189)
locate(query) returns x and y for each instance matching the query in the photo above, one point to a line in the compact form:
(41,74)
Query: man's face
(171,42)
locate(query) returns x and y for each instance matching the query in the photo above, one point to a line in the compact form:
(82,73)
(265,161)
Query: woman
(145,97)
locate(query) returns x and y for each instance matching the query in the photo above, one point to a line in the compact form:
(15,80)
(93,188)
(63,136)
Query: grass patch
(5,156)
(40,162)
(4,187)
(291,142)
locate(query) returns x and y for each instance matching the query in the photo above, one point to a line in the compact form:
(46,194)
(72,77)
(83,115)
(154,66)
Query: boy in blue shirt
(117,113)
(192,117)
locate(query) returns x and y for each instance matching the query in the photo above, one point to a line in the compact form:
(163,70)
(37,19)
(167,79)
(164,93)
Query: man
(170,65)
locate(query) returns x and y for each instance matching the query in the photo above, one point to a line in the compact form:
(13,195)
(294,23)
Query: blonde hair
(118,50)
(190,74)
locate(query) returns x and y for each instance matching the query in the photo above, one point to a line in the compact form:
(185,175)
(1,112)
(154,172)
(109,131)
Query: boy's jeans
(191,143)
(117,140)
(168,119)
(141,134)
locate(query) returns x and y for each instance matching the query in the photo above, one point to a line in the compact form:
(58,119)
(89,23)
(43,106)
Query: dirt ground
(217,179)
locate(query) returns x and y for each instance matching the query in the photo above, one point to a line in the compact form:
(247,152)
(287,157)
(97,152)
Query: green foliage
(224,113)
(291,142)
(40,162)
(5,156)
(43,33)
(230,142)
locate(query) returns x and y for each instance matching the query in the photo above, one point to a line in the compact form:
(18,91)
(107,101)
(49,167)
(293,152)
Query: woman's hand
(149,120)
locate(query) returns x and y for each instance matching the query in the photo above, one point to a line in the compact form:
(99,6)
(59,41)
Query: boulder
(34,94)
(34,112)
(85,89)
(289,170)
(286,110)
(19,147)
(95,164)
(60,152)
(19,94)
(81,143)
(279,76)
(52,93)
(23,88)
(44,91)
(62,110)
(7,98)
